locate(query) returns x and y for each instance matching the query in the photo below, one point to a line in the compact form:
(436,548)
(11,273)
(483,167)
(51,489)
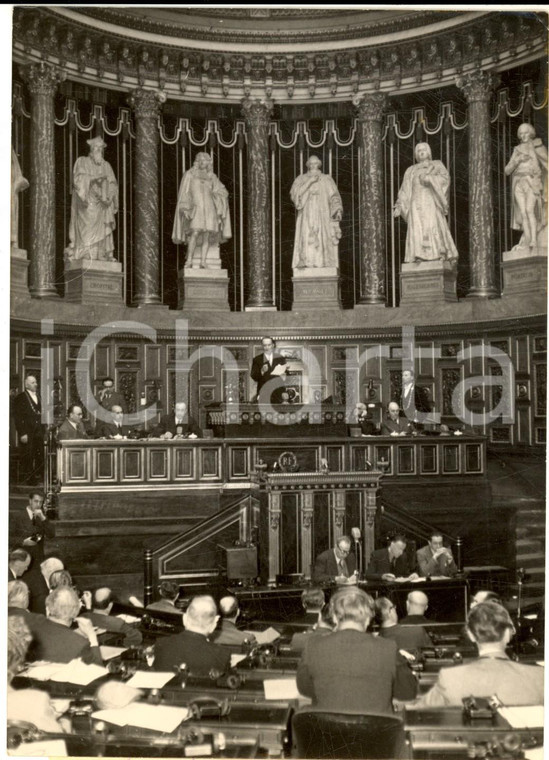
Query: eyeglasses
(344,551)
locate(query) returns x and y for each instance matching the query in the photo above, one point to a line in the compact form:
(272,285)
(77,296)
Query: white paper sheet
(155,717)
(107,653)
(45,748)
(236,658)
(280,688)
(280,369)
(79,673)
(129,618)
(529,716)
(265,637)
(43,671)
(150,679)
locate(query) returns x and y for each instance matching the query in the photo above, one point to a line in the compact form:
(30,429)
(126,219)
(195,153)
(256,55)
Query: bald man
(416,604)
(102,602)
(192,646)
(227,632)
(394,424)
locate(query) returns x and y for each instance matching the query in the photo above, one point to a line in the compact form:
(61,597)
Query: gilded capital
(147,103)
(478,85)
(42,78)
(370,107)
(257,112)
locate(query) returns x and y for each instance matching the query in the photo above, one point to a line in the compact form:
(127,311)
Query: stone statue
(319,210)
(202,218)
(18,183)
(528,169)
(94,204)
(423,203)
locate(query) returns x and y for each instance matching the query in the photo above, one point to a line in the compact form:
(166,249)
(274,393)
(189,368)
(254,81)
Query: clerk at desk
(435,560)
(393,423)
(178,424)
(336,564)
(391,564)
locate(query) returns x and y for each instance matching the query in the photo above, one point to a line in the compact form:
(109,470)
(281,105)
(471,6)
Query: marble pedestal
(316,289)
(427,281)
(19,271)
(90,281)
(203,289)
(524,274)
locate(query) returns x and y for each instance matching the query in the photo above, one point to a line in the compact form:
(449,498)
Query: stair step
(524,547)
(536,560)
(525,532)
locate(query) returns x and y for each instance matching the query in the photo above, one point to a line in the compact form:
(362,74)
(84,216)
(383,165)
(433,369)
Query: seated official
(37,578)
(416,604)
(37,526)
(19,561)
(102,602)
(391,563)
(227,632)
(493,673)
(55,641)
(337,564)
(312,601)
(350,670)
(18,604)
(410,637)
(169,594)
(393,423)
(28,705)
(72,428)
(360,417)
(324,624)
(114,428)
(177,425)
(192,646)
(435,560)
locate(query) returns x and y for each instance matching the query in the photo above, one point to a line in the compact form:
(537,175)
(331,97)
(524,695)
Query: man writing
(263,370)
(394,424)
(100,616)
(336,564)
(435,560)
(177,425)
(391,564)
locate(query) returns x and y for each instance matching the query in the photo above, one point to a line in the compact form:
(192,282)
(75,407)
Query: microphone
(356,534)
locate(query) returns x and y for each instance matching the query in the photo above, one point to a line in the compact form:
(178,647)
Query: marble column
(147,104)
(42,80)
(372,210)
(259,271)
(477,88)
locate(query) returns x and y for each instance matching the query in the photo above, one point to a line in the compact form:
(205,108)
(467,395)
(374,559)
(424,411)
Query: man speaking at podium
(336,564)
(265,367)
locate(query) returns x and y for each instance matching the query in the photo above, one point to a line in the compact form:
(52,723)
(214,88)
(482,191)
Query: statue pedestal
(316,289)
(203,289)
(523,273)
(426,281)
(213,257)
(90,281)
(19,271)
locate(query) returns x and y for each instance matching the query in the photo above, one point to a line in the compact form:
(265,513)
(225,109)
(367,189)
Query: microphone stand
(358,550)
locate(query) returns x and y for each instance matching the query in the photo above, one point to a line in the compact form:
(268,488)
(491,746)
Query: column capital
(42,78)
(256,111)
(370,107)
(478,85)
(147,103)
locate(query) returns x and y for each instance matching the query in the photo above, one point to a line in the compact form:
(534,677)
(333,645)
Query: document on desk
(236,658)
(150,679)
(77,672)
(529,716)
(281,688)
(154,717)
(43,671)
(43,748)
(128,618)
(107,653)
(265,637)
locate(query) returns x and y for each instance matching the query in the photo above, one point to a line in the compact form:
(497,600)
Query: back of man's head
(168,590)
(18,594)
(228,607)
(313,599)
(416,603)
(384,607)
(18,556)
(352,605)
(102,597)
(63,604)
(50,565)
(486,596)
(488,623)
(325,618)
(201,615)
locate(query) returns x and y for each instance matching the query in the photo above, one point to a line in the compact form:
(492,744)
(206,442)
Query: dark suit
(33,622)
(39,530)
(417,397)
(513,682)
(27,418)
(301,640)
(108,397)
(110,429)
(429,566)
(38,589)
(380,564)
(228,633)
(261,379)
(57,643)
(168,424)
(407,637)
(194,649)
(401,425)
(350,671)
(415,620)
(326,567)
(132,637)
(67,432)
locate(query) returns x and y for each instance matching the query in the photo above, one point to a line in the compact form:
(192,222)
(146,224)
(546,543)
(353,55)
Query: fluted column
(372,213)
(147,104)
(42,80)
(259,274)
(477,87)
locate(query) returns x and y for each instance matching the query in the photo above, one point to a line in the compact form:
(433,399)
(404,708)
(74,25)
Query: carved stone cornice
(370,107)
(42,78)
(477,86)
(257,112)
(146,103)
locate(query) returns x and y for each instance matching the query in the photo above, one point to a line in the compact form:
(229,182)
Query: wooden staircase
(530,551)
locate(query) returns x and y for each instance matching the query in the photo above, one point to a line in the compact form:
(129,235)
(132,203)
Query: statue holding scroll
(18,183)
(528,169)
(319,211)
(423,203)
(94,205)
(202,218)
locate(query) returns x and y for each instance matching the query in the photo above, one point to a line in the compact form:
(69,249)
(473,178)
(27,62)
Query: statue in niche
(319,211)
(18,184)
(93,208)
(528,170)
(423,203)
(202,218)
